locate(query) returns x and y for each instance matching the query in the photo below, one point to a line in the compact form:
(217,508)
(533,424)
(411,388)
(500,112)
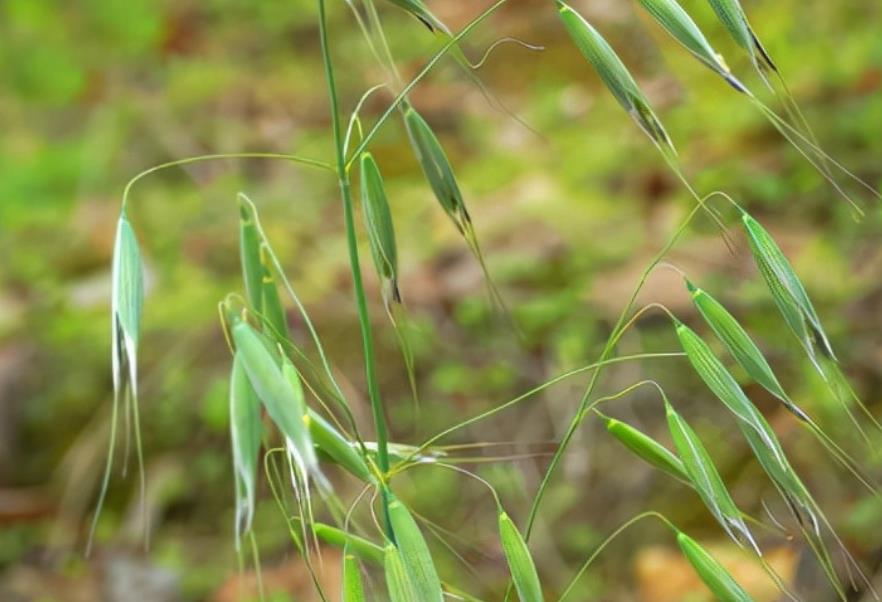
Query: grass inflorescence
(285,399)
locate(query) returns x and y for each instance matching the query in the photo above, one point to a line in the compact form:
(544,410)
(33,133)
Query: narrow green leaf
(414,552)
(706,480)
(520,563)
(647,448)
(714,575)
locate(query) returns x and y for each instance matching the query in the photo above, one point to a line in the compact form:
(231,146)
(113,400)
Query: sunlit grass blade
(615,75)
(677,22)
(712,573)
(520,562)
(647,448)
(398,581)
(363,549)
(414,552)
(245,430)
(704,477)
(378,222)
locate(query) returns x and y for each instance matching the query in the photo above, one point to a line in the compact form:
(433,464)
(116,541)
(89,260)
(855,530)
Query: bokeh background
(92,92)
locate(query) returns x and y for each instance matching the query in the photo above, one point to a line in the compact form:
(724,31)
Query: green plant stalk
(604,356)
(354,264)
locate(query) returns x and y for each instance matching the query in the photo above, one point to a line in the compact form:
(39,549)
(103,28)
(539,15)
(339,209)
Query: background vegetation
(92,93)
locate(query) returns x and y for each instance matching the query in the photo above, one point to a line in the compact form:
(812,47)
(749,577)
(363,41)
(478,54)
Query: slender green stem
(626,525)
(354,263)
(216,157)
(604,356)
(495,410)
(402,96)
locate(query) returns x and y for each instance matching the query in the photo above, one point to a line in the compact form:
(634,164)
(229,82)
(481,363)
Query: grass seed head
(677,22)
(361,548)
(724,386)
(398,581)
(759,435)
(414,552)
(249,252)
(278,387)
(353,588)
(272,310)
(737,341)
(647,448)
(786,287)
(435,165)
(714,575)
(127,301)
(421,12)
(245,431)
(331,442)
(731,14)
(378,221)
(704,477)
(520,562)
(614,74)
